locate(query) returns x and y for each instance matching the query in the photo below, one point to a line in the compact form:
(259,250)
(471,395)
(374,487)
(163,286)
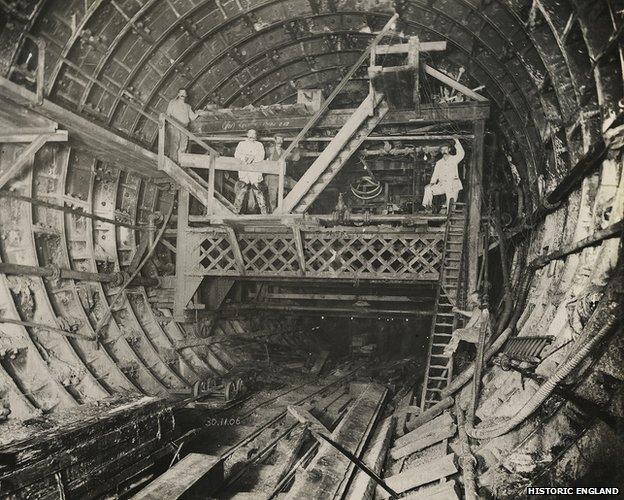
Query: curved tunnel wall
(550,68)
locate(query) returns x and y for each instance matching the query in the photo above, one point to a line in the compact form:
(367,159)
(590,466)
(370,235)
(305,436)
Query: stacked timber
(91,457)
(422,463)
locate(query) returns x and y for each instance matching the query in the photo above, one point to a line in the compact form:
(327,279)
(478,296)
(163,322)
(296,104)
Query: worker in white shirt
(250,150)
(445,179)
(181,111)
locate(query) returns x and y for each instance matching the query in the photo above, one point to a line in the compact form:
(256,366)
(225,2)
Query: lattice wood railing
(318,253)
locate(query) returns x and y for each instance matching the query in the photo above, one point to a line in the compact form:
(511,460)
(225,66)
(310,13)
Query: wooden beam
(185,286)
(195,471)
(401,48)
(346,311)
(299,246)
(21,136)
(444,78)
(423,474)
(424,441)
(334,119)
(25,157)
(238,256)
(86,135)
(443,420)
(475,195)
(202,161)
(413,59)
(346,297)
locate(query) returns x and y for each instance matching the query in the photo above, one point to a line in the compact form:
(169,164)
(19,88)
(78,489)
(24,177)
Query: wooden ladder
(348,139)
(449,293)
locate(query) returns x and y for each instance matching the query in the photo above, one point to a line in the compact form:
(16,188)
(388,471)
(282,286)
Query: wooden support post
(41,46)
(475,179)
(161,142)
(24,158)
(238,256)
(299,246)
(185,286)
(280,185)
(211,185)
(413,59)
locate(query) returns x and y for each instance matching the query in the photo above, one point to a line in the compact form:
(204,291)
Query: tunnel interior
(154,334)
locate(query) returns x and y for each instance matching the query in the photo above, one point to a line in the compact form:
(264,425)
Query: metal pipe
(73,211)
(48,328)
(406,137)
(57,273)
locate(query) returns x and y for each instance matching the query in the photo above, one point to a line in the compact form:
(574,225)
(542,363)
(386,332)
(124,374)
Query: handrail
(176,124)
(312,121)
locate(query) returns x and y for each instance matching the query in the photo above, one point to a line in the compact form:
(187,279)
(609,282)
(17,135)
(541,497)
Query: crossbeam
(430,113)
(444,78)
(25,157)
(202,161)
(401,48)
(55,136)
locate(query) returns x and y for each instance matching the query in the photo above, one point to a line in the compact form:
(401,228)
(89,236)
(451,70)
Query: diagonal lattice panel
(346,254)
(216,255)
(269,254)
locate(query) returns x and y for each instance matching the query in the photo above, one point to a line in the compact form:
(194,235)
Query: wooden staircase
(188,179)
(348,139)
(449,293)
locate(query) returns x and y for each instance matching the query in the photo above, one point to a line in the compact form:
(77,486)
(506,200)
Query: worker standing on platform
(181,111)
(250,150)
(272,180)
(445,179)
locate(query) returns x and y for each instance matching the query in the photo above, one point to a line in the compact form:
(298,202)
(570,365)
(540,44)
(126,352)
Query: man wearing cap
(250,150)
(181,111)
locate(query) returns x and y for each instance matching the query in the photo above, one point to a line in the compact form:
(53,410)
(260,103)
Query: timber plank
(330,471)
(189,472)
(424,442)
(427,473)
(442,421)
(444,491)
(363,486)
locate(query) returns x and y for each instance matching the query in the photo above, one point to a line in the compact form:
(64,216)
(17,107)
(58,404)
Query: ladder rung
(442,335)
(439,367)
(434,390)
(439,345)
